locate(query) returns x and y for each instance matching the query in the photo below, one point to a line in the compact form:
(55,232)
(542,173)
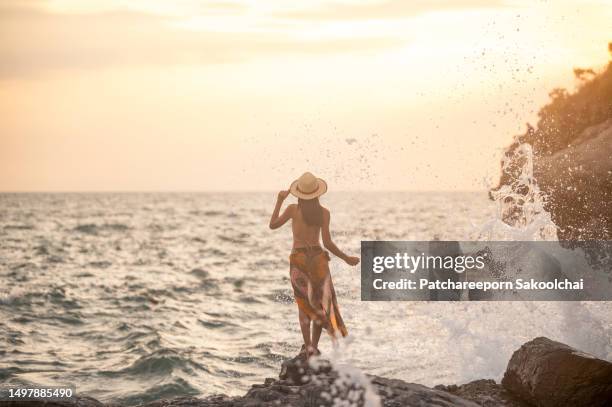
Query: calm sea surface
(134,297)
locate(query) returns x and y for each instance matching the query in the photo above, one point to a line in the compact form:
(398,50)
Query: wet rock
(304,385)
(486,393)
(548,373)
(541,373)
(397,393)
(76,402)
(298,371)
(578,183)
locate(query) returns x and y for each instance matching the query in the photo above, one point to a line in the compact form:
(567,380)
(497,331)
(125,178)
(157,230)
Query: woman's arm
(278,221)
(329,243)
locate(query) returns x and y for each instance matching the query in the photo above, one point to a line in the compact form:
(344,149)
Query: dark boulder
(548,374)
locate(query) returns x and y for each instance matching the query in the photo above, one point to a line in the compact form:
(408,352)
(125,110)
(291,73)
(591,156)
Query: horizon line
(178,191)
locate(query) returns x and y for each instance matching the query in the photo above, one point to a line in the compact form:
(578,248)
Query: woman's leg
(305,327)
(317,327)
(320,300)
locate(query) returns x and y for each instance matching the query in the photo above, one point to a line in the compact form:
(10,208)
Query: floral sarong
(313,288)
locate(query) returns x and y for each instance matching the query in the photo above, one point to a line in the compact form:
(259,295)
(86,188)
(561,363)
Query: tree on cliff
(569,114)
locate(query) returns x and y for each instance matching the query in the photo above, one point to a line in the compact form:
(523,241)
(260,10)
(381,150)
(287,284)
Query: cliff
(572,156)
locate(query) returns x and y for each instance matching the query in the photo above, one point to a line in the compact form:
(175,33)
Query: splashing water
(520,204)
(351,388)
(520,216)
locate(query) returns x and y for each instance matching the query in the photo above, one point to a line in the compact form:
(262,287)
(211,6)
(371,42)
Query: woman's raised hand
(282,195)
(352,260)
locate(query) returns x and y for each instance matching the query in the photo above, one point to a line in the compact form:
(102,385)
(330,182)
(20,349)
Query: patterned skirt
(313,288)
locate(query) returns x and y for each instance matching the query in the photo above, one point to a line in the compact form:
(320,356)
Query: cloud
(34,42)
(386,10)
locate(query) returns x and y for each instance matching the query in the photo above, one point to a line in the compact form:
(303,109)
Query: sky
(185,95)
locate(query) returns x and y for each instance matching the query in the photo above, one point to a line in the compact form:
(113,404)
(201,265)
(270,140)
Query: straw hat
(308,186)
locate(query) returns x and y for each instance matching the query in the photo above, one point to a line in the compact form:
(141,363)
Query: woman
(309,269)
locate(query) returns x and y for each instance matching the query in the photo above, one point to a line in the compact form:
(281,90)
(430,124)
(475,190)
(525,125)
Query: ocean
(133,297)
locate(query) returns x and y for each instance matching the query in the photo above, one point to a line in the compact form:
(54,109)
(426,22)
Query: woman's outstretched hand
(352,260)
(282,195)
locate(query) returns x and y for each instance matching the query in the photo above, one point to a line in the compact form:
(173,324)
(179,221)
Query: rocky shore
(541,373)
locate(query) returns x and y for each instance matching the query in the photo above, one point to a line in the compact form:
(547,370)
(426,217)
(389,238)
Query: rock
(397,393)
(486,393)
(298,371)
(577,181)
(319,379)
(304,385)
(75,402)
(541,373)
(548,373)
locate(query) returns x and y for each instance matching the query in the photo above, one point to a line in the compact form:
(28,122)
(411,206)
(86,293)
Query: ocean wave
(6,373)
(89,228)
(93,229)
(21,272)
(212,252)
(101,264)
(266,348)
(55,259)
(271,264)
(52,253)
(67,318)
(216,324)
(206,282)
(200,273)
(18,227)
(238,239)
(26,265)
(161,363)
(177,387)
(249,299)
(15,297)
(141,300)
(10,336)
(53,295)
(281,296)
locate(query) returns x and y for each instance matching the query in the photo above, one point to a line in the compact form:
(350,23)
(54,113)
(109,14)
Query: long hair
(312,211)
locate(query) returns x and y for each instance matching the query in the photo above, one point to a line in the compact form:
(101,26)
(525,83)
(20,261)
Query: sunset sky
(123,95)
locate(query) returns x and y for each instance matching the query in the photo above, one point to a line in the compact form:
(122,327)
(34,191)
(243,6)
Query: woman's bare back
(304,235)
